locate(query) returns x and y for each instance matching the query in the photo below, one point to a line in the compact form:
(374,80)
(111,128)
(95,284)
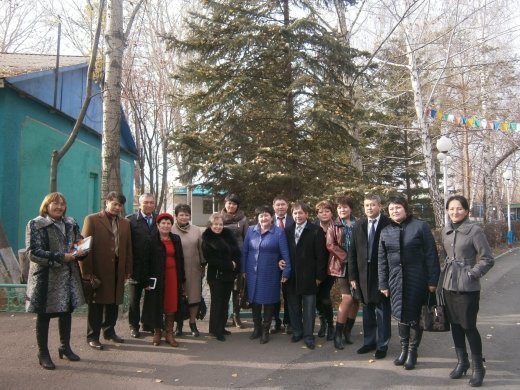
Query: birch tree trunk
(110,155)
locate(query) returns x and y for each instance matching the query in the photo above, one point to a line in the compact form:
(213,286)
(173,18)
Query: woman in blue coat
(264,247)
(408,269)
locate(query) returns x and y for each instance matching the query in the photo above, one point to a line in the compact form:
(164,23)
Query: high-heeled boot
(330,330)
(338,336)
(257,330)
(42,338)
(404,336)
(157,333)
(414,342)
(347,330)
(323,327)
(178,330)
(478,371)
(170,320)
(265,332)
(64,325)
(194,331)
(462,365)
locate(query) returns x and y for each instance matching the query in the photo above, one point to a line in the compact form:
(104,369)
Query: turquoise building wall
(29,131)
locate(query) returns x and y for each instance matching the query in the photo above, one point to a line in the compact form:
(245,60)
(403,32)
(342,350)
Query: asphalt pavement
(205,363)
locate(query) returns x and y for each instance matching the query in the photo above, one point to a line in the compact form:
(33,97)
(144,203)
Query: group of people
(389,264)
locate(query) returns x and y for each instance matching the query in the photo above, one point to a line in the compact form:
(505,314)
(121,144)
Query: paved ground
(206,363)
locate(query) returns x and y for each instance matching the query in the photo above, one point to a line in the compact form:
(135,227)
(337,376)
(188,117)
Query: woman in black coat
(165,275)
(408,269)
(220,249)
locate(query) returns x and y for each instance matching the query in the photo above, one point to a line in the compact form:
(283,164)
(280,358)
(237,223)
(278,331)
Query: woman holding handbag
(468,258)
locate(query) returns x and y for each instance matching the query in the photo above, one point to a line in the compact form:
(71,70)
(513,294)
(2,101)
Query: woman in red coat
(167,279)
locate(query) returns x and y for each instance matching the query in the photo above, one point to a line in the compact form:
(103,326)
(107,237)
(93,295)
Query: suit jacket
(101,259)
(142,236)
(308,259)
(359,269)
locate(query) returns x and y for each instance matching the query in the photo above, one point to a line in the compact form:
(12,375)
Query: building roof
(15,64)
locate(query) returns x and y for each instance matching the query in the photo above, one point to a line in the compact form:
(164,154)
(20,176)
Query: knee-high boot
(265,332)
(347,330)
(236,310)
(42,338)
(478,371)
(404,336)
(170,320)
(414,342)
(323,327)
(338,336)
(257,322)
(462,365)
(64,325)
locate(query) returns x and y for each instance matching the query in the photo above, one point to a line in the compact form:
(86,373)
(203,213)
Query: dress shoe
(380,354)
(135,333)
(221,338)
(226,332)
(366,349)
(310,344)
(95,344)
(115,338)
(295,338)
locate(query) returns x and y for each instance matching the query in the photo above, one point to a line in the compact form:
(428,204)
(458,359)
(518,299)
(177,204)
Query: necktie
(298,233)
(115,231)
(149,220)
(371,236)
(280,223)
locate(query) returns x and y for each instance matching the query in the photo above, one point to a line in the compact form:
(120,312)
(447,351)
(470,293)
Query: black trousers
(278,306)
(220,292)
(101,316)
(323,301)
(135,292)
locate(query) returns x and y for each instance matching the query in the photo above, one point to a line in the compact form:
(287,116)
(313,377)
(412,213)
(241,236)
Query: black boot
(323,327)
(64,324)
(194,331)
(462,365)
(265,332)
(478,371)
(178,331)
(257,331)
(42,338)
(347,330)
(330,331)
(415,340)
(404,336)
(338,336)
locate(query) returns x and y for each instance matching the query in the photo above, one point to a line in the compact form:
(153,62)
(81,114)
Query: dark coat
(308,259)
(142,236)
(220,250)
(153,306)
(408,264)
(53,286)
(101,258)
(260,256)
(467,251)
(359,269)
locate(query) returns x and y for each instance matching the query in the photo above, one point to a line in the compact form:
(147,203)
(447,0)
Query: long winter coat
(308,259)
(359,269)
(101,258)
(142,236)
(408,264)
(467,251)
(220,250)
(153,305)
(191,238)
(53,286)
(260,256)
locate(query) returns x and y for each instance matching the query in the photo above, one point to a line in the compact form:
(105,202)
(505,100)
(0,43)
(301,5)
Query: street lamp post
(508,176)
(444,146)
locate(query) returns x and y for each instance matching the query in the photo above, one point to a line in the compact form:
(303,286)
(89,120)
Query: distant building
(201,200)
(38,108)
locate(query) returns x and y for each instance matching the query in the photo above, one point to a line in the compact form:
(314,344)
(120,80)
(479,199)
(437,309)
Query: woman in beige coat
(193,263)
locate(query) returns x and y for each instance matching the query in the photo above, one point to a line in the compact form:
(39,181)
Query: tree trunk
(110,155)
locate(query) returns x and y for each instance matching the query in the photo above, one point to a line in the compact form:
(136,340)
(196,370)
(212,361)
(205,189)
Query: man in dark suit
(309,268)
(143,228)
(282,219)
(363,276)
(110,260)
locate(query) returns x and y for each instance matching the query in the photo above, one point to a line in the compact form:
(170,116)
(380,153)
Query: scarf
(231,218)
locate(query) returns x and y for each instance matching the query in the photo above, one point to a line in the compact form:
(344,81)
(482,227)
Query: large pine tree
(269,108)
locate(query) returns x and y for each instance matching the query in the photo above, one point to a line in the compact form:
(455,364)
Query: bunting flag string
(472,122)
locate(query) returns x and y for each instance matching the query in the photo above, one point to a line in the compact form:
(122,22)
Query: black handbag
(433,314)
(203,309)
(184,309)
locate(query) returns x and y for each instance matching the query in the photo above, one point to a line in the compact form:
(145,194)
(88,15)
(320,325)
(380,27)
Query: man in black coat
(143,229)
(309,268)
(363,276)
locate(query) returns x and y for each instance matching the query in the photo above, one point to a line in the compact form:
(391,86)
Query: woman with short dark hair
(408,271)
(468,258)
(54,287)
